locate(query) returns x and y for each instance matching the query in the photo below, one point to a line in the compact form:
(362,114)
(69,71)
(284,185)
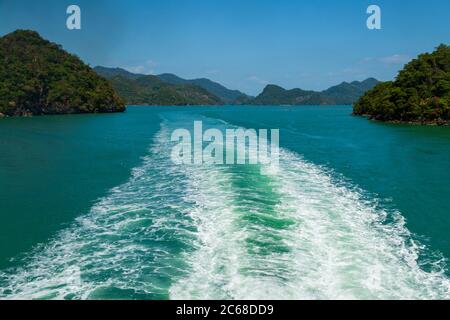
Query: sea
(94,207)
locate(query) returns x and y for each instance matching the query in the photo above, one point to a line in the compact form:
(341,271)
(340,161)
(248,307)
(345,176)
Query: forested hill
(420,93)
(342,94)
(38,77)
(127,84)
(226,95)
(138,89)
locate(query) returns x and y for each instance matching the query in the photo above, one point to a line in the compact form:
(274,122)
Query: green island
(38,77)
(138,89)
(420,94)
(169,89)
(342,94)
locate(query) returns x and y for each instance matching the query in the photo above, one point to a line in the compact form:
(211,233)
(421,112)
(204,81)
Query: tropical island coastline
(38,77)
(419,95)
(169,89)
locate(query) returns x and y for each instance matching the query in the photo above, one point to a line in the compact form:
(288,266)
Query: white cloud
(135,69)
(258,80)
(395,59)
(348,74)
(146,68)
(151,63)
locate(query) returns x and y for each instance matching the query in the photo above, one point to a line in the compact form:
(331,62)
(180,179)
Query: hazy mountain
(151,90)
(215,93)
(274,95)
(345,93)
(226,95)
(349,93)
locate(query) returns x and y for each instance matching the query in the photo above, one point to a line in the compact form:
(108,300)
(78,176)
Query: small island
(420,94)
(38,77)
(343,94)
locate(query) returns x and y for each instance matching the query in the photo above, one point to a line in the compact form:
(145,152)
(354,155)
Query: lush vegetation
(169,89)
(276,95)
(38,77)
(226,95)
(343,94)
(138,89)
(109,73)
(420,93)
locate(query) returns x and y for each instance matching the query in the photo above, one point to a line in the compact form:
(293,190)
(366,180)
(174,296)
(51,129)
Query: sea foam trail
(125,248)
(317,240)
(229,232)
(298,232)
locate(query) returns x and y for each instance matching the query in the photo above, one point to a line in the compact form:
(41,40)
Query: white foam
(340,246)
(124,243)
(193,232)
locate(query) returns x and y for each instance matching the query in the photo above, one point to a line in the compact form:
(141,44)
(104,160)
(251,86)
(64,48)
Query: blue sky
(244,44)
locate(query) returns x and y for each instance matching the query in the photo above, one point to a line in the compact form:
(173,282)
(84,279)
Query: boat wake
(230,232)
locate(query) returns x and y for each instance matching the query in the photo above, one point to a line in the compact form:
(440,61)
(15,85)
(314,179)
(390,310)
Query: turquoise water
(92,207)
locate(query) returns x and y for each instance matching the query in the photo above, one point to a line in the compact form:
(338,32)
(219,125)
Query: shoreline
(30,115)
(429,123)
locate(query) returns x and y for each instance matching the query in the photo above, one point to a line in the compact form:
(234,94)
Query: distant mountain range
(342,94)
(226,95)
(169,89)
